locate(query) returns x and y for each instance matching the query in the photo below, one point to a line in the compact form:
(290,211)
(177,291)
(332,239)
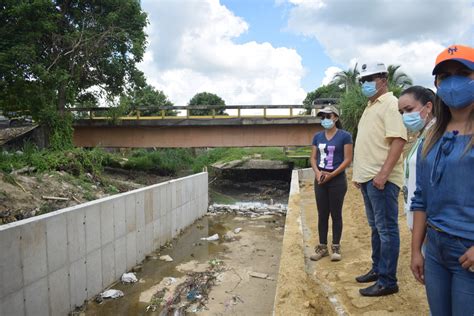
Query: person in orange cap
(443,202)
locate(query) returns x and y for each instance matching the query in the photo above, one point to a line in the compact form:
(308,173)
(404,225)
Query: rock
(166,258)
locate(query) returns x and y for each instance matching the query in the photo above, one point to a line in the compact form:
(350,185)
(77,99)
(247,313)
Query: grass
(228,154)
(79,162)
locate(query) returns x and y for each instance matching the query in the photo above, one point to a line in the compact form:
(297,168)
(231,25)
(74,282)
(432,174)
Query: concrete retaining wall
(51,263)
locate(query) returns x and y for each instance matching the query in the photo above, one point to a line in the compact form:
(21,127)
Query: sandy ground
(356,251)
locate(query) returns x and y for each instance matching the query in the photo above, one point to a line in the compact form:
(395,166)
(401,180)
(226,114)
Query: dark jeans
(329,200)
(450,287)
(381,207)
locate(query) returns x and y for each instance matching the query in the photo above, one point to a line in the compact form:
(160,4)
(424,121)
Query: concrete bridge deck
(187,131)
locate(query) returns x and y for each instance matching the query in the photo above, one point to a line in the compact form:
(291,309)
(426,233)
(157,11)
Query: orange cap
(460,53)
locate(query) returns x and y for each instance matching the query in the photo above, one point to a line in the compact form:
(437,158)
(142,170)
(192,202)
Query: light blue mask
(413,121)
(456,91)
(327,123)
(369,89)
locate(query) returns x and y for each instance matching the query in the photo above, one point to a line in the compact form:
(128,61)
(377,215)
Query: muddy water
(255,249)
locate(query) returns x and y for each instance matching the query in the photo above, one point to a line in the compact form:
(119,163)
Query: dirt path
(356,251)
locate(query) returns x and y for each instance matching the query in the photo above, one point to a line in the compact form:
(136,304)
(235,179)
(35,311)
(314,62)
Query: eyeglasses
(325,115)
(369,78)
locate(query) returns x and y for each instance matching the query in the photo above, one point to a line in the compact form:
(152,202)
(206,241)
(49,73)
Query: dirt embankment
(356,252)
(30,194)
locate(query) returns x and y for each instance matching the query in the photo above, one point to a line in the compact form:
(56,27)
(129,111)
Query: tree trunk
(61,99)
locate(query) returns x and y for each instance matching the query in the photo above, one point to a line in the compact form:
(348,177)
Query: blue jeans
(450,287)
(381,207)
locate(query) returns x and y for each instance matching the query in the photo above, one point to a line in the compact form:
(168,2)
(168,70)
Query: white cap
(372,68)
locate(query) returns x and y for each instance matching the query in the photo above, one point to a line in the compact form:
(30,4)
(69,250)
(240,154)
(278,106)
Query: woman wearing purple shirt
(331,155)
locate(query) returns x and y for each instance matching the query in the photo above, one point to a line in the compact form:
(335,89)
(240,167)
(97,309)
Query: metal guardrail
(214,108)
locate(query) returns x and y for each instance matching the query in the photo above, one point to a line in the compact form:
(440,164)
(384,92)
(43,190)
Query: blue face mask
(457,91)
(327,123)
(369,89)
(413,121)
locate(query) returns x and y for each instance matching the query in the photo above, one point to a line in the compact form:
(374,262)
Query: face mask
(368,89)
(456,91)
(413,121)
(327,123)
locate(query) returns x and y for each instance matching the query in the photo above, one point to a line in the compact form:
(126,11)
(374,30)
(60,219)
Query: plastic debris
(258,275)
(237,230)
(166,258)
(211,238)
(129,278)
(111,294)
(170,280)
(249,209)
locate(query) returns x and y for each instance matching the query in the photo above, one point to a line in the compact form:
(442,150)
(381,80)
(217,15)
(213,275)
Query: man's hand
(380,180)
(417,267)
(467,259)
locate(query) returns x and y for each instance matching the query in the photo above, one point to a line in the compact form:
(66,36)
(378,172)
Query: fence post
(291,112)
(238,112)
(264,112)
(213,113)
(162,114)
(138,114)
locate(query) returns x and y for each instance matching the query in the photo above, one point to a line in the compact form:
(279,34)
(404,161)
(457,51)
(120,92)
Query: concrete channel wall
(51,263)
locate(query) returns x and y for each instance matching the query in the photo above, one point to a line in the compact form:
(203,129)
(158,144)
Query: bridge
(99,127)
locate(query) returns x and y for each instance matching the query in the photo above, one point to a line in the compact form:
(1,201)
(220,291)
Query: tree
(347,78)
(397,80)
(206,98)
(328,91)
(147,96)
(54,51)
(352,105)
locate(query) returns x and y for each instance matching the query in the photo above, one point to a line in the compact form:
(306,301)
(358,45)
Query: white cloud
(329,74)
(192,49)
(406,32)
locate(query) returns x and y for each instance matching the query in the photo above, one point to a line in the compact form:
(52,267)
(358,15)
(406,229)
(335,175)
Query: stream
(243,262)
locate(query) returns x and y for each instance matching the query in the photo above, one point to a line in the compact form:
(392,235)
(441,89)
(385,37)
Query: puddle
(254,249)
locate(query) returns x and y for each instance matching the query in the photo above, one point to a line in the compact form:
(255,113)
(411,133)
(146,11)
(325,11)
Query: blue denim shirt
(445,185)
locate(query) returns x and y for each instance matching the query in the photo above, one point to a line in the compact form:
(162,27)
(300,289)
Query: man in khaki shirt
(378,172)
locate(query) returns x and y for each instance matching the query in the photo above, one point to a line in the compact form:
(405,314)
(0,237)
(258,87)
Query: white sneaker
(336,253)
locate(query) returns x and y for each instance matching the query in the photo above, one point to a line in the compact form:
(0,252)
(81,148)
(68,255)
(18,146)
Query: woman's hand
(319,176)
(417,266)
(467,259)
(326,176)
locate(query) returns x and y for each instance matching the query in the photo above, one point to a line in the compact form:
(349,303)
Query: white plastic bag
(129,278)
(211,238)
(111,294)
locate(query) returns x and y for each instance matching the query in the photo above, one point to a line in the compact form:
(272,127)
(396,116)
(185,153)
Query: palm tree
(397,80)
(347,78)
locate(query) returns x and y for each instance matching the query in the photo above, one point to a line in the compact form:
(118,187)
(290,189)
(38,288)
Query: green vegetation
(54,52)
(162,161)
(206,98)
(228,154)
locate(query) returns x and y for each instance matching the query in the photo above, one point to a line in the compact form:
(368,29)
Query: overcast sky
(275,51)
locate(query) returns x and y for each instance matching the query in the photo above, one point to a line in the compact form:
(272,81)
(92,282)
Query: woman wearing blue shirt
(331,155)
(443,202)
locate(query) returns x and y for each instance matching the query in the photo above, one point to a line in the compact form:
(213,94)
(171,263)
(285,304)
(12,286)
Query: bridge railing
(163,112)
